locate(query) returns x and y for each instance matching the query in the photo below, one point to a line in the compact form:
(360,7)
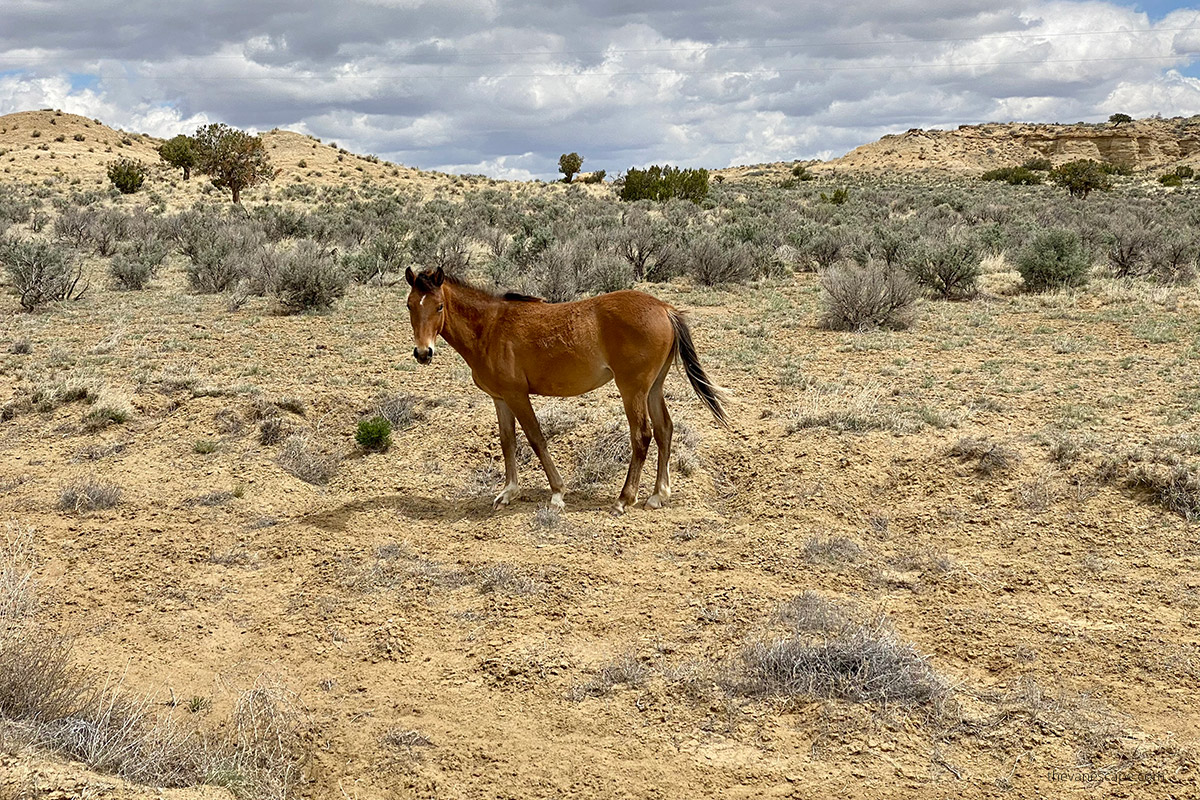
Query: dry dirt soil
(433,647)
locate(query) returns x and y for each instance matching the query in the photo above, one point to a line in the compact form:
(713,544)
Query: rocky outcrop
(1142,145)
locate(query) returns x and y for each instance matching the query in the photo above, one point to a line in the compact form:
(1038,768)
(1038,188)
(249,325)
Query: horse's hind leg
(508,444)
(638,415)
(522,409)
(663,430)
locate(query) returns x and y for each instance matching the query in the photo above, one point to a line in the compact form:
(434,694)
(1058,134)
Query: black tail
(705,389)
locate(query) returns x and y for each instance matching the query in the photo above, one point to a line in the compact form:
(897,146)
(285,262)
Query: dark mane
(458,283)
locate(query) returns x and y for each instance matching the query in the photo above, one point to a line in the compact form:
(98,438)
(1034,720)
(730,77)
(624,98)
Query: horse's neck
(466,320)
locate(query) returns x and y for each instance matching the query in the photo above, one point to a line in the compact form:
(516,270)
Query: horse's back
(570,348)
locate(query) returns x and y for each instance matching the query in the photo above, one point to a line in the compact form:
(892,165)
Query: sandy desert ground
(958,488)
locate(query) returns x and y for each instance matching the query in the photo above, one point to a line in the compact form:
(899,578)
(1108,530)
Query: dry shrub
(604,455)
(483,481)
(50,702)
(841,408)
(556,420)
(400,410)
(307,459)
(88,495)
(831,550)
(828,654)
(264,754)
(396,566)
(989,458)
(684,444)
(548,517)
(38,680)
(506,579)
(1175,487)
(407,740)
(857,298)
(625,670)
(272,430)
(18,590)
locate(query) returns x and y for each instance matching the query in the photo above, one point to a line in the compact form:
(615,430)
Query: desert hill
(54,147)
(1145,144)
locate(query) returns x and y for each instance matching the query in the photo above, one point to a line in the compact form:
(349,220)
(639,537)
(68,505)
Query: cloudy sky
(503,87)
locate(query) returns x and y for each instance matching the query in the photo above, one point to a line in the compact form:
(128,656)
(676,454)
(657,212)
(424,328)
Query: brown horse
(518,345)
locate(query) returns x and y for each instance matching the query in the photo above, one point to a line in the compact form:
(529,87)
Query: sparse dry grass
(18,565)
(49,701)
(304,457)
(831,550)
(840,408)
(88,494)
(828,654)
(988,458)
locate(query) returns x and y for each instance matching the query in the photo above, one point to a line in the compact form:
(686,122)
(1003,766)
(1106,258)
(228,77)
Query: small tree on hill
(1081,177)
(569,164)
(180,152)
(234,159)
(127,175)
(1120,119)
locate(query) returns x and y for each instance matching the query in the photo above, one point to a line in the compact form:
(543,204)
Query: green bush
(664,183)
(180,152)
(569,164)
(234,159)
(801,173)
(1015,176)
(1081,177)
(1170,179)
(839,197)
(374,434)
(127,175)
(1038,164)
(1185,172)
(1053,259)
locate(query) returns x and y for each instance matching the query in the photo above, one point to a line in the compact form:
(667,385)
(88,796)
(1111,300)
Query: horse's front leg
(508,444)
(523,410)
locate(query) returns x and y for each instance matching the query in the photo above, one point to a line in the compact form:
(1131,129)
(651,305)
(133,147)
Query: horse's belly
(568,380)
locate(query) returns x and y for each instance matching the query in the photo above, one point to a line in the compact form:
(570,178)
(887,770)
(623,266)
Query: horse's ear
(408,276)
(439,276)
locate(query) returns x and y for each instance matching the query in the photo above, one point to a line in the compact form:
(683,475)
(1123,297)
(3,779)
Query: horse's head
(426,310)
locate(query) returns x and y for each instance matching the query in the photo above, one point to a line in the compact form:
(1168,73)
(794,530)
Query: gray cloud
(506,86)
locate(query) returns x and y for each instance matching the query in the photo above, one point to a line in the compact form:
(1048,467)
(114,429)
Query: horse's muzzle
(423,356)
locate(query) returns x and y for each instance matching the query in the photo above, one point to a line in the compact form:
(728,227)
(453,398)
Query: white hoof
(656,501)
(556,500)
(618,509)
(505,497)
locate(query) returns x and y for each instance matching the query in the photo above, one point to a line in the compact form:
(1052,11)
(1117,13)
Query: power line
(717,48)
(641,73)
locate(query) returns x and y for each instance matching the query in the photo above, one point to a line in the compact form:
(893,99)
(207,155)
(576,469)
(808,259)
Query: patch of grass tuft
(374,435)
(88,495)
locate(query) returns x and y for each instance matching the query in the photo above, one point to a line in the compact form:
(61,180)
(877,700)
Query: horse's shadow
(448,510)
